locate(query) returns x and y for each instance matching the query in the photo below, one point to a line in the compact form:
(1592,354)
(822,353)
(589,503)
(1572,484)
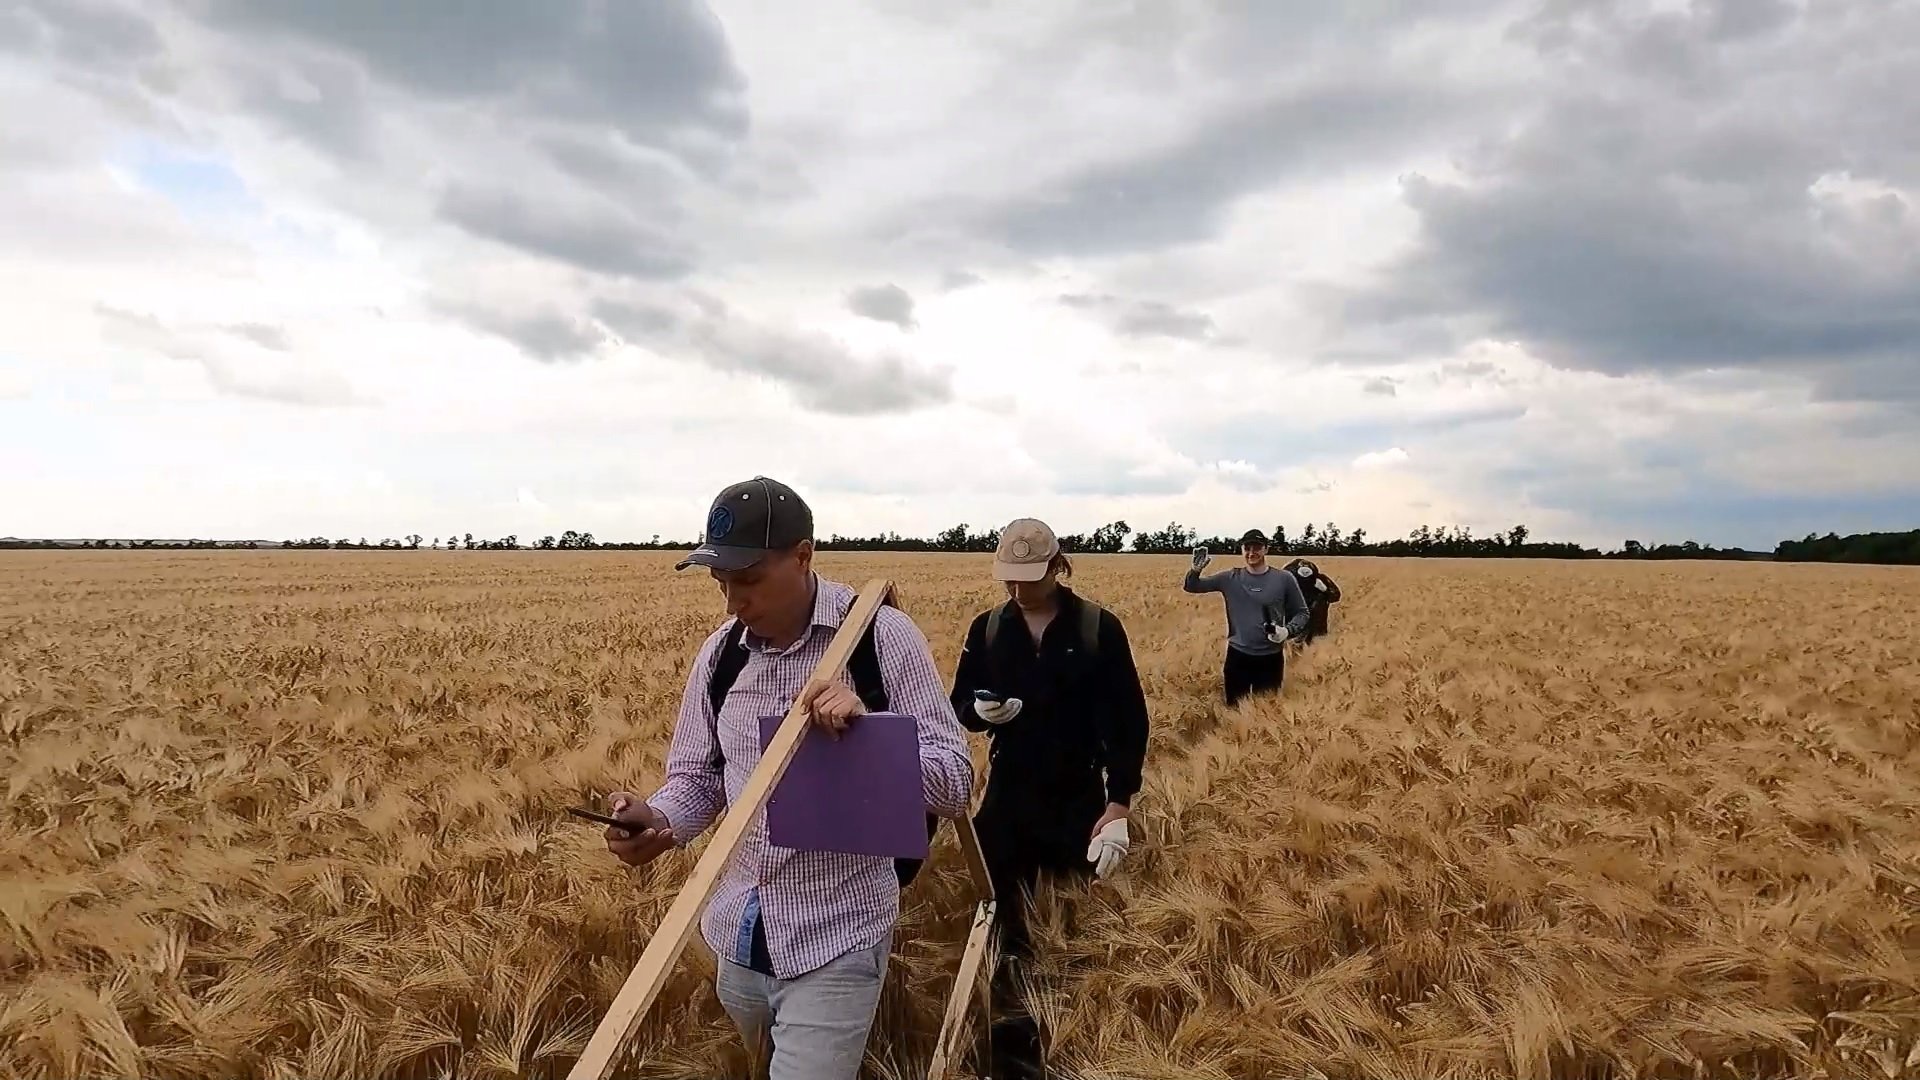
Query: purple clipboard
(860,794)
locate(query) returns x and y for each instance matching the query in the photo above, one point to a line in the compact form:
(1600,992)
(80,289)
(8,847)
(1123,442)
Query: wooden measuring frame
(972,962)
(656,962)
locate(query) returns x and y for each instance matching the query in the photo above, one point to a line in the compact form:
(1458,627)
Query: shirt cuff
(677,817)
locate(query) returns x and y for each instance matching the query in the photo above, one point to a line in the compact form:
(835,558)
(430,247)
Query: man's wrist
(667,811)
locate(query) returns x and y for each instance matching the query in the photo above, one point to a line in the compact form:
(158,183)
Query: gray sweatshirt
(1253,599)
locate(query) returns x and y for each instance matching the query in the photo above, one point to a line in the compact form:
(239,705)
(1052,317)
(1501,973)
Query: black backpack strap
(726,668)
(864,669)
(1090,613)
(863,666)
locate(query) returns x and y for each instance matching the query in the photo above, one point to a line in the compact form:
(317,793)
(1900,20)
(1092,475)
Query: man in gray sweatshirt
(1264,609)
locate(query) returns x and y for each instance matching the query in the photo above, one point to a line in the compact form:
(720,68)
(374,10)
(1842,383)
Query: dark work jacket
(1078,716)
(1317,601)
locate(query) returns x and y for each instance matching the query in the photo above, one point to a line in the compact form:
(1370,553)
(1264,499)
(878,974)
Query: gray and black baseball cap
(746,521)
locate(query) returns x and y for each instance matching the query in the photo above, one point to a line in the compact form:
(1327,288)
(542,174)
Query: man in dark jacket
(1067,720)
(1321,592)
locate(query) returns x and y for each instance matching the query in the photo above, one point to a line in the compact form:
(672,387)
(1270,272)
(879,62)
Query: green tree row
(1173,538)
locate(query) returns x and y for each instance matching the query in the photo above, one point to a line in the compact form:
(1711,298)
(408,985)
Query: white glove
(1320,584)
(1109,844)
(1278,635)
(1201,558)
(997,712)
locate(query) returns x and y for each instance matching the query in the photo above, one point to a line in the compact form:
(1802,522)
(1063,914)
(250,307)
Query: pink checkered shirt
(815,906)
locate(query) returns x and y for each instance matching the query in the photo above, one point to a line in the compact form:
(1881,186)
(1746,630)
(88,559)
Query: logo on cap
(719,523)
(1022,549)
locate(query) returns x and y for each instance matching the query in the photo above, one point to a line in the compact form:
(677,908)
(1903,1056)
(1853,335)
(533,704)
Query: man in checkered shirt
(802,937)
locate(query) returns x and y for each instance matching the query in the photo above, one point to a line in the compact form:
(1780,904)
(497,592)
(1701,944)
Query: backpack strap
(1090,613)
(1089,627)
(863,666)
(726,669)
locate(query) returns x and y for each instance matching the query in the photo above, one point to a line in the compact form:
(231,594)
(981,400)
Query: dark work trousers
(1316,619)
(1029,826)
(1247,674)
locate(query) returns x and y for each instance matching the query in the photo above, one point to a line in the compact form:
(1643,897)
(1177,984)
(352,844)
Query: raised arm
(1332,591)
(1211,583)
(1194,583)
(915,688)
(694,791)
(1125,736)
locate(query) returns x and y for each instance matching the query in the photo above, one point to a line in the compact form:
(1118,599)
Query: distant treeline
(1875,547)
(1118,537)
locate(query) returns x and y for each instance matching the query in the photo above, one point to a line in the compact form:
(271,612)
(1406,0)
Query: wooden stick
(973,960)
(650,972)
(964,984)
(976,862)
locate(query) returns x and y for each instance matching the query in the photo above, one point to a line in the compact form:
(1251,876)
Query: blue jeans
(819,1022)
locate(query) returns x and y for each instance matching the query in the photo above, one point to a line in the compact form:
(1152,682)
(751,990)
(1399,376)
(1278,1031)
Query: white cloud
(15,385)
(249,250)
(1381,459)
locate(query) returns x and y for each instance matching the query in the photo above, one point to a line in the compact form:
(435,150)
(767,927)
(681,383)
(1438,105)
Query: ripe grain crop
(299,815)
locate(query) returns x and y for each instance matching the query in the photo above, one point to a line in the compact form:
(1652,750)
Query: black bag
(863,666)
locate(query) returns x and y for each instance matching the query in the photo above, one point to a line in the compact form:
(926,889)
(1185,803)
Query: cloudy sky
(283,267)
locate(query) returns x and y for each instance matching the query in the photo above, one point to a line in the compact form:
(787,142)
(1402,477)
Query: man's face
(1256,554)
(771,593)
(1029,595)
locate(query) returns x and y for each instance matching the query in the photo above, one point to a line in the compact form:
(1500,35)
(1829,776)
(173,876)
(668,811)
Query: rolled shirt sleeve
(694,791)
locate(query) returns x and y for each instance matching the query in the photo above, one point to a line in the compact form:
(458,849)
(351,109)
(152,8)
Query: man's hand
(650,837)
(1201,558)
(831,706)
(1110,840)
(1277,634)
(997,712)
(1320,584)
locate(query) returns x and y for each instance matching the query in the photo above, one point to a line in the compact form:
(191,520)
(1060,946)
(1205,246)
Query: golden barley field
(299,815)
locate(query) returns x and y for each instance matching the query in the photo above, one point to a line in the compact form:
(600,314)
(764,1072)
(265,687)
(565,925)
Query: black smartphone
(594,815)
(989,696)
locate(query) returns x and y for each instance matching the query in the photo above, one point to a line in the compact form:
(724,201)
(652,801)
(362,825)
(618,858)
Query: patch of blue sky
(206,187)
(200,184)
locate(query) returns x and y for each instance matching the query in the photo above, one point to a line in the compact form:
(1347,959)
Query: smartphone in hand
(594,815)
(989,697)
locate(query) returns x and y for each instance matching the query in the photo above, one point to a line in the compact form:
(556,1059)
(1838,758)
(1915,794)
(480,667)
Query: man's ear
(803,552)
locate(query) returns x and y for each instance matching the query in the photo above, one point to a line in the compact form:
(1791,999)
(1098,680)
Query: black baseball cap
(746,521)
(1254,536)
